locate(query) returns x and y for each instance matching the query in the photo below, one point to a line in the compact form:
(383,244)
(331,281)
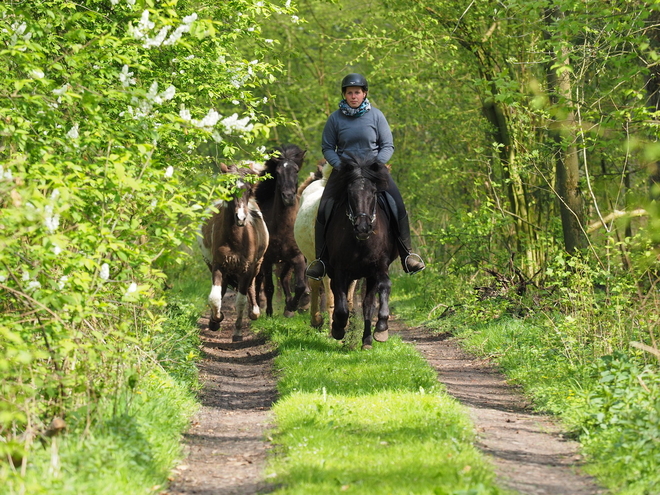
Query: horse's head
(241,193)
(362,179)
(284,165)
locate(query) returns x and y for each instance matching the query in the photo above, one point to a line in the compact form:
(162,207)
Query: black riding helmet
(354,80)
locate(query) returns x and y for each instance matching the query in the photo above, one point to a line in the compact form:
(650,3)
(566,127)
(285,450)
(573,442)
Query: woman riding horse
(358,128)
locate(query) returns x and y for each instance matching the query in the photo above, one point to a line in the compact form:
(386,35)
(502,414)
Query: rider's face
(354,96)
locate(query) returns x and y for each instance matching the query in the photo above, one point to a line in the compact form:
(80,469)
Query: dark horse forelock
(355,168)
(288,153)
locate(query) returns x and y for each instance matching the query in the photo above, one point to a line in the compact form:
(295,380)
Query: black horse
(360,242)
(278,203)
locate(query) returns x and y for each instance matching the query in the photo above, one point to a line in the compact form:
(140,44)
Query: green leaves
(108,115)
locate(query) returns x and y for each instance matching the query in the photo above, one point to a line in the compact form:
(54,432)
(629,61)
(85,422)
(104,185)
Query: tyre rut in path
(530,453)
(226,444)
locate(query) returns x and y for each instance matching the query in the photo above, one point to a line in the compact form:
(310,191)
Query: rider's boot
(411,262)
(317,268)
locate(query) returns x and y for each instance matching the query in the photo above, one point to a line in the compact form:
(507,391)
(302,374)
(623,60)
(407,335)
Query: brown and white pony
(233,242)
(277,200)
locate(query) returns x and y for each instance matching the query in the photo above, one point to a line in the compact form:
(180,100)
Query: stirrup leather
(312,267)
(410,270)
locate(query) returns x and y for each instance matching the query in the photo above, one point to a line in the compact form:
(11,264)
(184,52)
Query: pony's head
(284,164)
(242,191)
(362,178)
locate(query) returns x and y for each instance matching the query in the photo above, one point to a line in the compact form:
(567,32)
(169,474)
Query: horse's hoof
(317,322)
(367,347)
(214,325)
(237,338)
(381,336)
(338,334)
(289,314)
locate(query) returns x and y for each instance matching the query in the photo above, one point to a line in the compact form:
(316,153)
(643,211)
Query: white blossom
(168,94)
(55,195)
(295,19)
(51,220)
(56,250)
(105,271)
(145,25)
(169,172)
(190,57)
(3,277)
(209,120)
(60,91)
(37,74)
(267,40)
(73,132)
(125,77)
(130,3)
(131,288)
(233,123)
(26,276)
(154,203)
(189,19)
(63,280)
(5,174)
(176,35)
(34,284)
(114,2)
(184,113)
(158,39)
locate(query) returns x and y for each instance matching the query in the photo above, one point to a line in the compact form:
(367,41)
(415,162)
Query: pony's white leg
(241,300)
(254,310)
(215,301)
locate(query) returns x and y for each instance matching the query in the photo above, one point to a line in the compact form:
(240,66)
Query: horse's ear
(223,168)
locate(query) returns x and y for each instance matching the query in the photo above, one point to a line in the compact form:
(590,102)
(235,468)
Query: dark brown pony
(278,202)
(233,242)
(360,244)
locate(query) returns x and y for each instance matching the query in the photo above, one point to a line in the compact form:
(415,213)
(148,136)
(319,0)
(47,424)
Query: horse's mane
(266,188)
(313,177)
(356,167)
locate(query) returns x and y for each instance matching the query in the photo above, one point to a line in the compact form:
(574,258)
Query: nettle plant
(104,108)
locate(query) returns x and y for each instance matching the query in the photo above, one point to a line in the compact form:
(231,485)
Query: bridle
(354,219)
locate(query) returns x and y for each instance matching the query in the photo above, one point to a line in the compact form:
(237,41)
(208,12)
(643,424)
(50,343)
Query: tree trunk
(564,133)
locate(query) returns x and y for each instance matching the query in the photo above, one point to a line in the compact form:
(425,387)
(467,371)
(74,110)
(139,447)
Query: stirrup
(313,270)
(410,270)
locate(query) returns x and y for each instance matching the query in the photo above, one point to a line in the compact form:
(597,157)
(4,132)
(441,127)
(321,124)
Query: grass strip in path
(366,421)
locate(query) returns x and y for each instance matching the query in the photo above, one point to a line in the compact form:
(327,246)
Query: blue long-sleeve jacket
(369,132)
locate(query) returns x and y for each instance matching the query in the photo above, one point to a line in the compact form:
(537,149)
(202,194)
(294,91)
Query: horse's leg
(269,288)
(298,265)
(384,287)
(253,310)
(329,298)
(368,311)
(315,316)
(340,314)
(351,296)
(285,281)
(215,299)
(241,300)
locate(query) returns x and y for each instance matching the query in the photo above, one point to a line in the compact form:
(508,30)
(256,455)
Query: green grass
(128,440)
(367,422)
(132,451)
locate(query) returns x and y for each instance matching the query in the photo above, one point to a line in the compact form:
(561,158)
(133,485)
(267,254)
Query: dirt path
(528,450)
(227,448)
(226,444)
